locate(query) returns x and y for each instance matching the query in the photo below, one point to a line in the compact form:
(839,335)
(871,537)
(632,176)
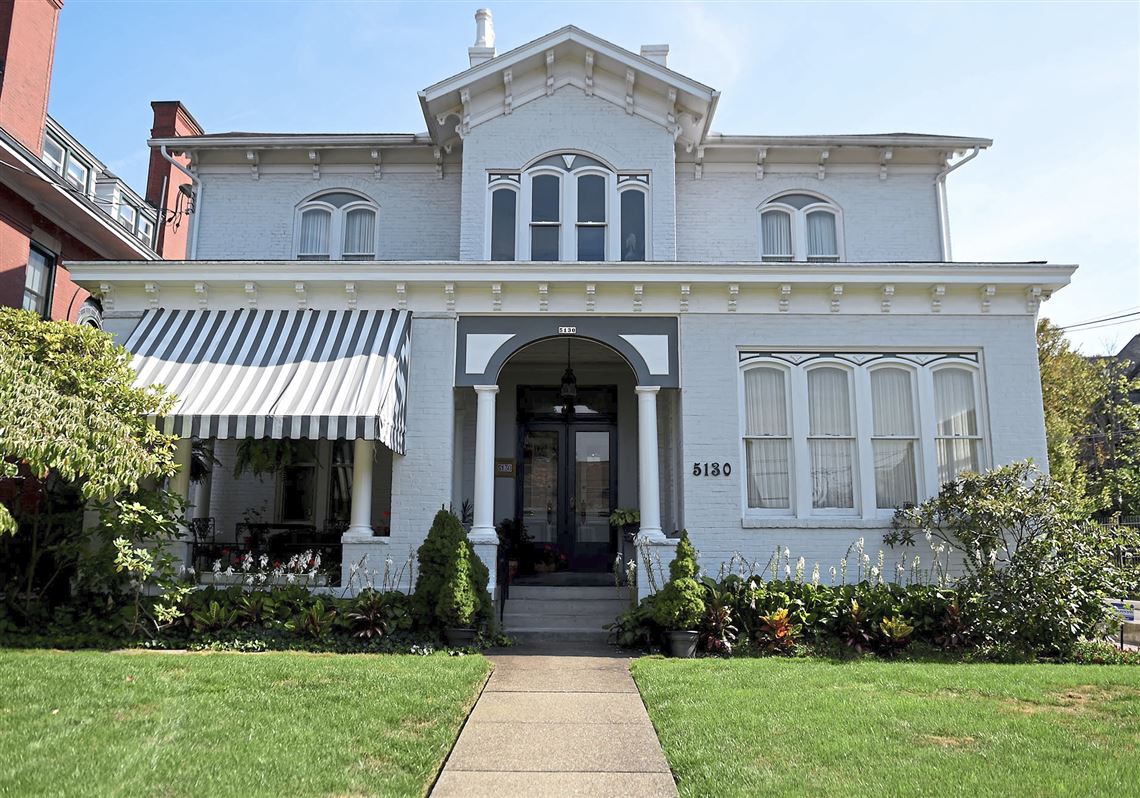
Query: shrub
(376,615)
(681,603)
(895,634)
(435,556)
(1036,573)
(458,605)
(776,633)
(637,628)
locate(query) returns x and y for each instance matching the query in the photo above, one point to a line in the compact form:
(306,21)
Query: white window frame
(568,206)
(798,216)
(504,184)
(336,223)
(790,437)
(643,189)
(866,412)
(859,384)
(129,224)
(981,422)
(805,505)
(62,167)
(86,167)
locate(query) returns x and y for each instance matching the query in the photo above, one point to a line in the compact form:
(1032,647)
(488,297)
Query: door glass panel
(540,485)
(592,480)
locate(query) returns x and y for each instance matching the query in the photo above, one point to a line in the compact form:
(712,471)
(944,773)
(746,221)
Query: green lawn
(285,724)
(812,727)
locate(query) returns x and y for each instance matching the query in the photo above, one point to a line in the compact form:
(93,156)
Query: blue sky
(1057,86)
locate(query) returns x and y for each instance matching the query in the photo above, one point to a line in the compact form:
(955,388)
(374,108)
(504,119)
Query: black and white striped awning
(253,373)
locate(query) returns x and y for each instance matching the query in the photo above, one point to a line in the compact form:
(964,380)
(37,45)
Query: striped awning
(253,373)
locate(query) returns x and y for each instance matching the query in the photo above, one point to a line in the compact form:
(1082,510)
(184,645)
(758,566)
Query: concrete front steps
(564,613)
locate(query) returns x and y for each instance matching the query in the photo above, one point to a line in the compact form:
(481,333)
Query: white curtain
(893,410)
(954,401)
(832,460)
(765,409)
(821,235)
(315,233)
(957,422)
(360,232)
(776,227)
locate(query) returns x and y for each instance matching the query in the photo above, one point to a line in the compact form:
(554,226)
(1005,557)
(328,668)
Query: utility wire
(1100,321)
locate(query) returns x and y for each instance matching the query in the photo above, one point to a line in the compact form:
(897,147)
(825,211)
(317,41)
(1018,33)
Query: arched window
(831,438)
(956,435)
(568,207)
(336,225)
(894,436)
(800,227)
(767,438)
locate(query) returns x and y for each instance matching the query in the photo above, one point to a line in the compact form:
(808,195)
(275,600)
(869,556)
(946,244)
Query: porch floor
(557,720)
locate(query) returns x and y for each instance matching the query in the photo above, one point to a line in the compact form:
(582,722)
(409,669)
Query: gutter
(943,209)
(196,199)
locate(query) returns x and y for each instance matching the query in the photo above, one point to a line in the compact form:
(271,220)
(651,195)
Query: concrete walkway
(557,721)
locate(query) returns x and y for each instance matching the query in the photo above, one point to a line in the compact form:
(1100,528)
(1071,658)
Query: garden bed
(140,724)
(778,726)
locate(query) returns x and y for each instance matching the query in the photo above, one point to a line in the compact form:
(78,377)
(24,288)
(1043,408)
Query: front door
(568,481)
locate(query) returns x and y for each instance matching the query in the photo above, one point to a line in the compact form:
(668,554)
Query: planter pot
(683,644)
(459,637)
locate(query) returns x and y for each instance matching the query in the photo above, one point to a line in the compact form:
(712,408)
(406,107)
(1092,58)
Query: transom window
(336,225)
(800,227)
(567,207)
(856,434)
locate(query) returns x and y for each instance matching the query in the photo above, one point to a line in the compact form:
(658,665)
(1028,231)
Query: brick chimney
(171,119)
(27,49)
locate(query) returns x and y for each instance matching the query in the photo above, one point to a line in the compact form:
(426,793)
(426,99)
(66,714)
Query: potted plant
(458,605)
(680,605)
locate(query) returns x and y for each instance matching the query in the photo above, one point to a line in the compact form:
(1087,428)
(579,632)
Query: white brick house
(771,343)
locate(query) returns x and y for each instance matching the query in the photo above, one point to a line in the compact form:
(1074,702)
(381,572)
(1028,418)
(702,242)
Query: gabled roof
(693,103)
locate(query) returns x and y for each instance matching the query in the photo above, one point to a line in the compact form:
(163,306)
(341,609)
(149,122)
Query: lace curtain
(892,402)
(765,408)
(315,233)
(777,231)
(830,438)
(360,233)
(821,235)
(957,422)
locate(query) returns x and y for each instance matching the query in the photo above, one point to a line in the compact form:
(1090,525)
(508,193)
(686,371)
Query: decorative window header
(858,359)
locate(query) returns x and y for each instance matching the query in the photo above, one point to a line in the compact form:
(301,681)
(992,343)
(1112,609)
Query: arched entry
(575,447)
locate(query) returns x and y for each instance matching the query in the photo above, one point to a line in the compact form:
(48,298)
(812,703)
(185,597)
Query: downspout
(943,209)
(192,238)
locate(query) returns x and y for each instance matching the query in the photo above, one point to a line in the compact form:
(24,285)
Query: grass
(150,724)
(815,727)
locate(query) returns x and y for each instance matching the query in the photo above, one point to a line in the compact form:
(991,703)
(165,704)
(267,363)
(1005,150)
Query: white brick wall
(243,218)
(569,120)
(711,426)
(883,220)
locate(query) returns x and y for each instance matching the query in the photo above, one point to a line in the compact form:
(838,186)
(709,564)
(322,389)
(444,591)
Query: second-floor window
(336,225)
(568,207)
(800,227)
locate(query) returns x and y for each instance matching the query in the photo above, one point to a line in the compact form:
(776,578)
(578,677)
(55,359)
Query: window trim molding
(799,226)
(796,366)
(635,185)
(336,222)
(505,183)
(52,270)
(789,418)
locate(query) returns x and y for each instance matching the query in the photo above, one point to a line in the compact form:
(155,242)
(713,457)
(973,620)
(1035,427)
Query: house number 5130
(712,469)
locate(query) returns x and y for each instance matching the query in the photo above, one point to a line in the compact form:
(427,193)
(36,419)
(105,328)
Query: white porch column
(180,484)
(649,479)
(360,510)
(483,536)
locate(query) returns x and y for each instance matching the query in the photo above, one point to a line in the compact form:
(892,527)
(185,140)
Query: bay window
(855,434)
(800,227)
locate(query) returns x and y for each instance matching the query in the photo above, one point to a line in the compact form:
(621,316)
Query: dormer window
(567,207)
(336,225)
(800,227)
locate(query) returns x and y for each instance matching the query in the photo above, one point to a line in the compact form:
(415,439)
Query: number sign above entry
(567,330)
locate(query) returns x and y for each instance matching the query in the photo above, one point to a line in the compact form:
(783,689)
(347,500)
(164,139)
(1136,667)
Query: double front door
(568,482)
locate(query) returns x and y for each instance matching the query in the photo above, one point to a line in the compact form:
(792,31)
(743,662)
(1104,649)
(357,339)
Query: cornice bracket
(315,160)
(549,72)
(253,158)
(589,73)
(888,296)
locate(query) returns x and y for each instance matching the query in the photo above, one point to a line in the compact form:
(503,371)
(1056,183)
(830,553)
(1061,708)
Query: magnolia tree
(74,432)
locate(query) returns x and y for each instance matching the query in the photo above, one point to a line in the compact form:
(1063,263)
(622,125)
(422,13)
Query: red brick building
(58,202)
